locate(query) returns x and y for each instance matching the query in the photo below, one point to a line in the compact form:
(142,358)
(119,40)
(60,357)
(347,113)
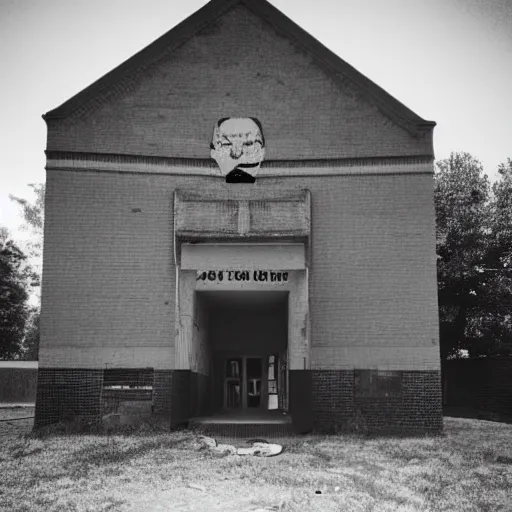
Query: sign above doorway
(248,276)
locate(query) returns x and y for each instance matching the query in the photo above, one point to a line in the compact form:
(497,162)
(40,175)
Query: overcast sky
(450,61)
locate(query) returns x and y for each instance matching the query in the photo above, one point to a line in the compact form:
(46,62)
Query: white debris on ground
(225,448)
(258,449)
(261,450)
(208,442)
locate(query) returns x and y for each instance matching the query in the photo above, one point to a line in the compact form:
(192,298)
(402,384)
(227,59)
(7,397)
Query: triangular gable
(180,34)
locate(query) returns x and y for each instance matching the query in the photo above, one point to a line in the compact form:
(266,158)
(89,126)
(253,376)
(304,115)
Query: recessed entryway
(246,342)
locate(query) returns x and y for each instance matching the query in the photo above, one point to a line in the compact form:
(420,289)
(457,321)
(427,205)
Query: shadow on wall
(18,382)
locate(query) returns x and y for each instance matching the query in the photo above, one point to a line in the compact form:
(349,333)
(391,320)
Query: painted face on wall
(238,147)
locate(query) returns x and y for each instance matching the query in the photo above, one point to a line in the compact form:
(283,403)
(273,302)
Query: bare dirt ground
(14,425)
(467,469)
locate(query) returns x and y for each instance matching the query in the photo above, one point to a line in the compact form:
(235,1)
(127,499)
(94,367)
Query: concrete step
(243,430)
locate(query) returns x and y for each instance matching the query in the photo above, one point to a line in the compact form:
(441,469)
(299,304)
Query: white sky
(450,61)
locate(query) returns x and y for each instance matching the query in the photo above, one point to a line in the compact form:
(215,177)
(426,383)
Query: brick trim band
(320,400)
(69,161)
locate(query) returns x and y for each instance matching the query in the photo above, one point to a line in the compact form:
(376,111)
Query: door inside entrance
(251,383)
(243,383)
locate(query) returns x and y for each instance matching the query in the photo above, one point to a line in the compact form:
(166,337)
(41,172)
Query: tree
(501,215)
(492,332)
(461,200)
(31,341)
(14,282)
(474,250)
(33,214)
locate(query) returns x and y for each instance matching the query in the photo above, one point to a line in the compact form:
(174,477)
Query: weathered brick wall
(333,399)
(338,406)
(109,277)
(239,66)
(63,394)
(201,397)
(183,396)
(67,394)
(162,396)
(422,401)
(301,400)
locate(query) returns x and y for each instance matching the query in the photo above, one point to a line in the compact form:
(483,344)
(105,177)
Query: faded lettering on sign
(254,276)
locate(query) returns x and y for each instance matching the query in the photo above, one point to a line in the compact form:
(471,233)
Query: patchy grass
(167,471)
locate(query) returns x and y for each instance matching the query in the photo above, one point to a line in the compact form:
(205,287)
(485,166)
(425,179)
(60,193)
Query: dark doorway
(247,338)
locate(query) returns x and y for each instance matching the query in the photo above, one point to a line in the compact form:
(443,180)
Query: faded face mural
(238,147)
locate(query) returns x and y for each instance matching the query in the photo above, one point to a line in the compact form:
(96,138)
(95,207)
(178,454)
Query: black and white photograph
(256,256)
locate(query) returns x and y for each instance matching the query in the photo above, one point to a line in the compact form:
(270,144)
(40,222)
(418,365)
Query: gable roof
(214,9)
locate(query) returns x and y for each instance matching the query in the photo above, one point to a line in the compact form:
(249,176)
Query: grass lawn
(467,469)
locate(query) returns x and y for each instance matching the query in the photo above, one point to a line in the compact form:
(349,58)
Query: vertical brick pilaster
(422,401)
(301,400)
(194,400)
(180,397)
(333,399)
(203,399)
(162,394)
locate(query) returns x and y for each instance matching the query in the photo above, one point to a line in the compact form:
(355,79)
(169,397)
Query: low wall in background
(479,388)
(18,381)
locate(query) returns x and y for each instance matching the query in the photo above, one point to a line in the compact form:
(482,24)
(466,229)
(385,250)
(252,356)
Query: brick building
(238,221)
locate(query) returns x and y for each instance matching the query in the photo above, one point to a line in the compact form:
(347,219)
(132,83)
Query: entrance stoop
(244,425)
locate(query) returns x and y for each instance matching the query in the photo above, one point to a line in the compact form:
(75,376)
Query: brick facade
(115,160)
(200,395)
(338,407)
(64,394)
(181,397)
(301,400)
(162,398)
(106,298)
(322,401)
